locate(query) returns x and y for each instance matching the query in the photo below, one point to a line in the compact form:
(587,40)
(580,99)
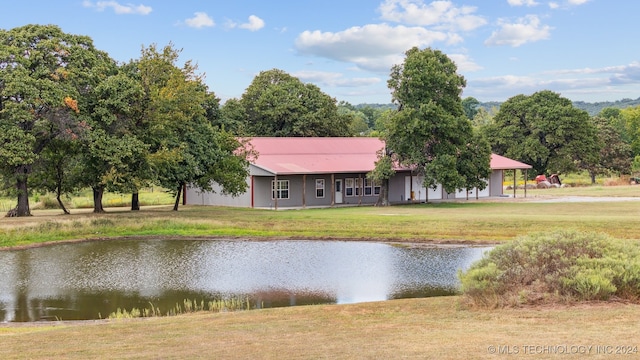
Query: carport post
(515,183)
(526,175)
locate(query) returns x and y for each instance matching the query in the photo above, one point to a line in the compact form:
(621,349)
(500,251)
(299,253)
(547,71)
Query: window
(348,187)
(376,188)
(281,190)
(368,187)
(358,186)
(319,188)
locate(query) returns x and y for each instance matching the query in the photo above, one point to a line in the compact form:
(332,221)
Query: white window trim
(320,186)
(347,187)
(278,192)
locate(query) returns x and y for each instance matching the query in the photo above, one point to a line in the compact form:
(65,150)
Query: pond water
(90,280)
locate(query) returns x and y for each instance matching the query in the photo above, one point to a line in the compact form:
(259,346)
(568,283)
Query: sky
(582,49)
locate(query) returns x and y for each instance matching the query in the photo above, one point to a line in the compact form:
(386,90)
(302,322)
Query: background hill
(592,108)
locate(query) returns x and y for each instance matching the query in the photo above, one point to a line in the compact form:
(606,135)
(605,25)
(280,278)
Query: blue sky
(583,49)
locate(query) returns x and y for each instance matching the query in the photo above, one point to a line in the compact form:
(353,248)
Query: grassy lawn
(438,328)
(433,328)
(474,221)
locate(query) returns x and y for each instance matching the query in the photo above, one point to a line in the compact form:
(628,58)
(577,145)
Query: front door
(338,191)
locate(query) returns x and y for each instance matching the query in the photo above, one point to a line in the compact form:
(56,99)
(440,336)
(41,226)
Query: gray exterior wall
(195,196)
(263,196)
(495,183)
(260,187)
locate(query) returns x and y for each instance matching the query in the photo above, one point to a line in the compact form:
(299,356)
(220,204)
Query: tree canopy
(43,74)
(430,132)
(545,131)
(278,104)
(184,142)
(71,117)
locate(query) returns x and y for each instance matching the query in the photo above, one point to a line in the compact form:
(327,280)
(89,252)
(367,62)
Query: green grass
(438,328)
(474,221)
(84,200)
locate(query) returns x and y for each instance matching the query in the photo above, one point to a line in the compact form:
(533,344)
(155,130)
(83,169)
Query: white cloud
(599,84)
(373,47)
(200,20)
(527,29)
(566,4)
(254,24)
(118,8)
(334,79)
(464,63)
(437,14)
(522,2)
(620,74)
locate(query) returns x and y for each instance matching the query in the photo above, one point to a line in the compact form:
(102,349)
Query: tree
(112,153)
(629,123)
(430,132)
(382,172)
(58,169)
(43,72)
(278,104)
(185,144)
(545,131)
(615,154)
(472,163)
(232,118)
(470,106)
(483,117)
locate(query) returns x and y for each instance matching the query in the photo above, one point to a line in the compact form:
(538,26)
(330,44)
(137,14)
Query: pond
(90,280)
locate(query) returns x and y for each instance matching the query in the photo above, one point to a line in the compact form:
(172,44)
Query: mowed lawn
(436,328)
(433,328)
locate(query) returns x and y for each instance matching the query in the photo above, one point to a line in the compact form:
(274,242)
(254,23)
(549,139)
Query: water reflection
(91,280)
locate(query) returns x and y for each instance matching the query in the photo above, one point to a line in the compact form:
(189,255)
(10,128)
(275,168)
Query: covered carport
(501,163)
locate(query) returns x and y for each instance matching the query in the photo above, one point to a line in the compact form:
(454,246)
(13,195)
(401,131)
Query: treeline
(73,118)
(592,108)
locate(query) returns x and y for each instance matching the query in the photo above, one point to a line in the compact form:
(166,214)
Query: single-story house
(291,172)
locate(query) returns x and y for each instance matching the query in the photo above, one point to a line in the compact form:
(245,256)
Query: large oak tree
(43,73)
(278,104)
(545,131)
(186,142)
(430,132)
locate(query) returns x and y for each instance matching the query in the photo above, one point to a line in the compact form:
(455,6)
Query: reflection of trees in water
(93,280)
(422,292)
(284,297)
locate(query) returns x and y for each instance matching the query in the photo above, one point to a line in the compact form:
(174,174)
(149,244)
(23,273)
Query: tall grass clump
(186,307)
(557,267)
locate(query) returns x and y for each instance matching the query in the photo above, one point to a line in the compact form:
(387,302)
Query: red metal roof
(323,155)
(300,155)
(503,163)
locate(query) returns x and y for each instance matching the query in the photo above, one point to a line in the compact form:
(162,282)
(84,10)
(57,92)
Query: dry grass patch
(433,328)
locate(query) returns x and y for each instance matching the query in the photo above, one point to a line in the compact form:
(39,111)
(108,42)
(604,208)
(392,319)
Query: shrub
(563,266)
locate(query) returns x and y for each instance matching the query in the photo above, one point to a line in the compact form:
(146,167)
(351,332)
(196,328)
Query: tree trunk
(66,212)
(59,192)
(23,196)
(97,199)
(179,192)
(135,201)
(592,174)
(383,199)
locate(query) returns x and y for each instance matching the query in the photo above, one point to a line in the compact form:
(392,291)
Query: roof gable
(499,162)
